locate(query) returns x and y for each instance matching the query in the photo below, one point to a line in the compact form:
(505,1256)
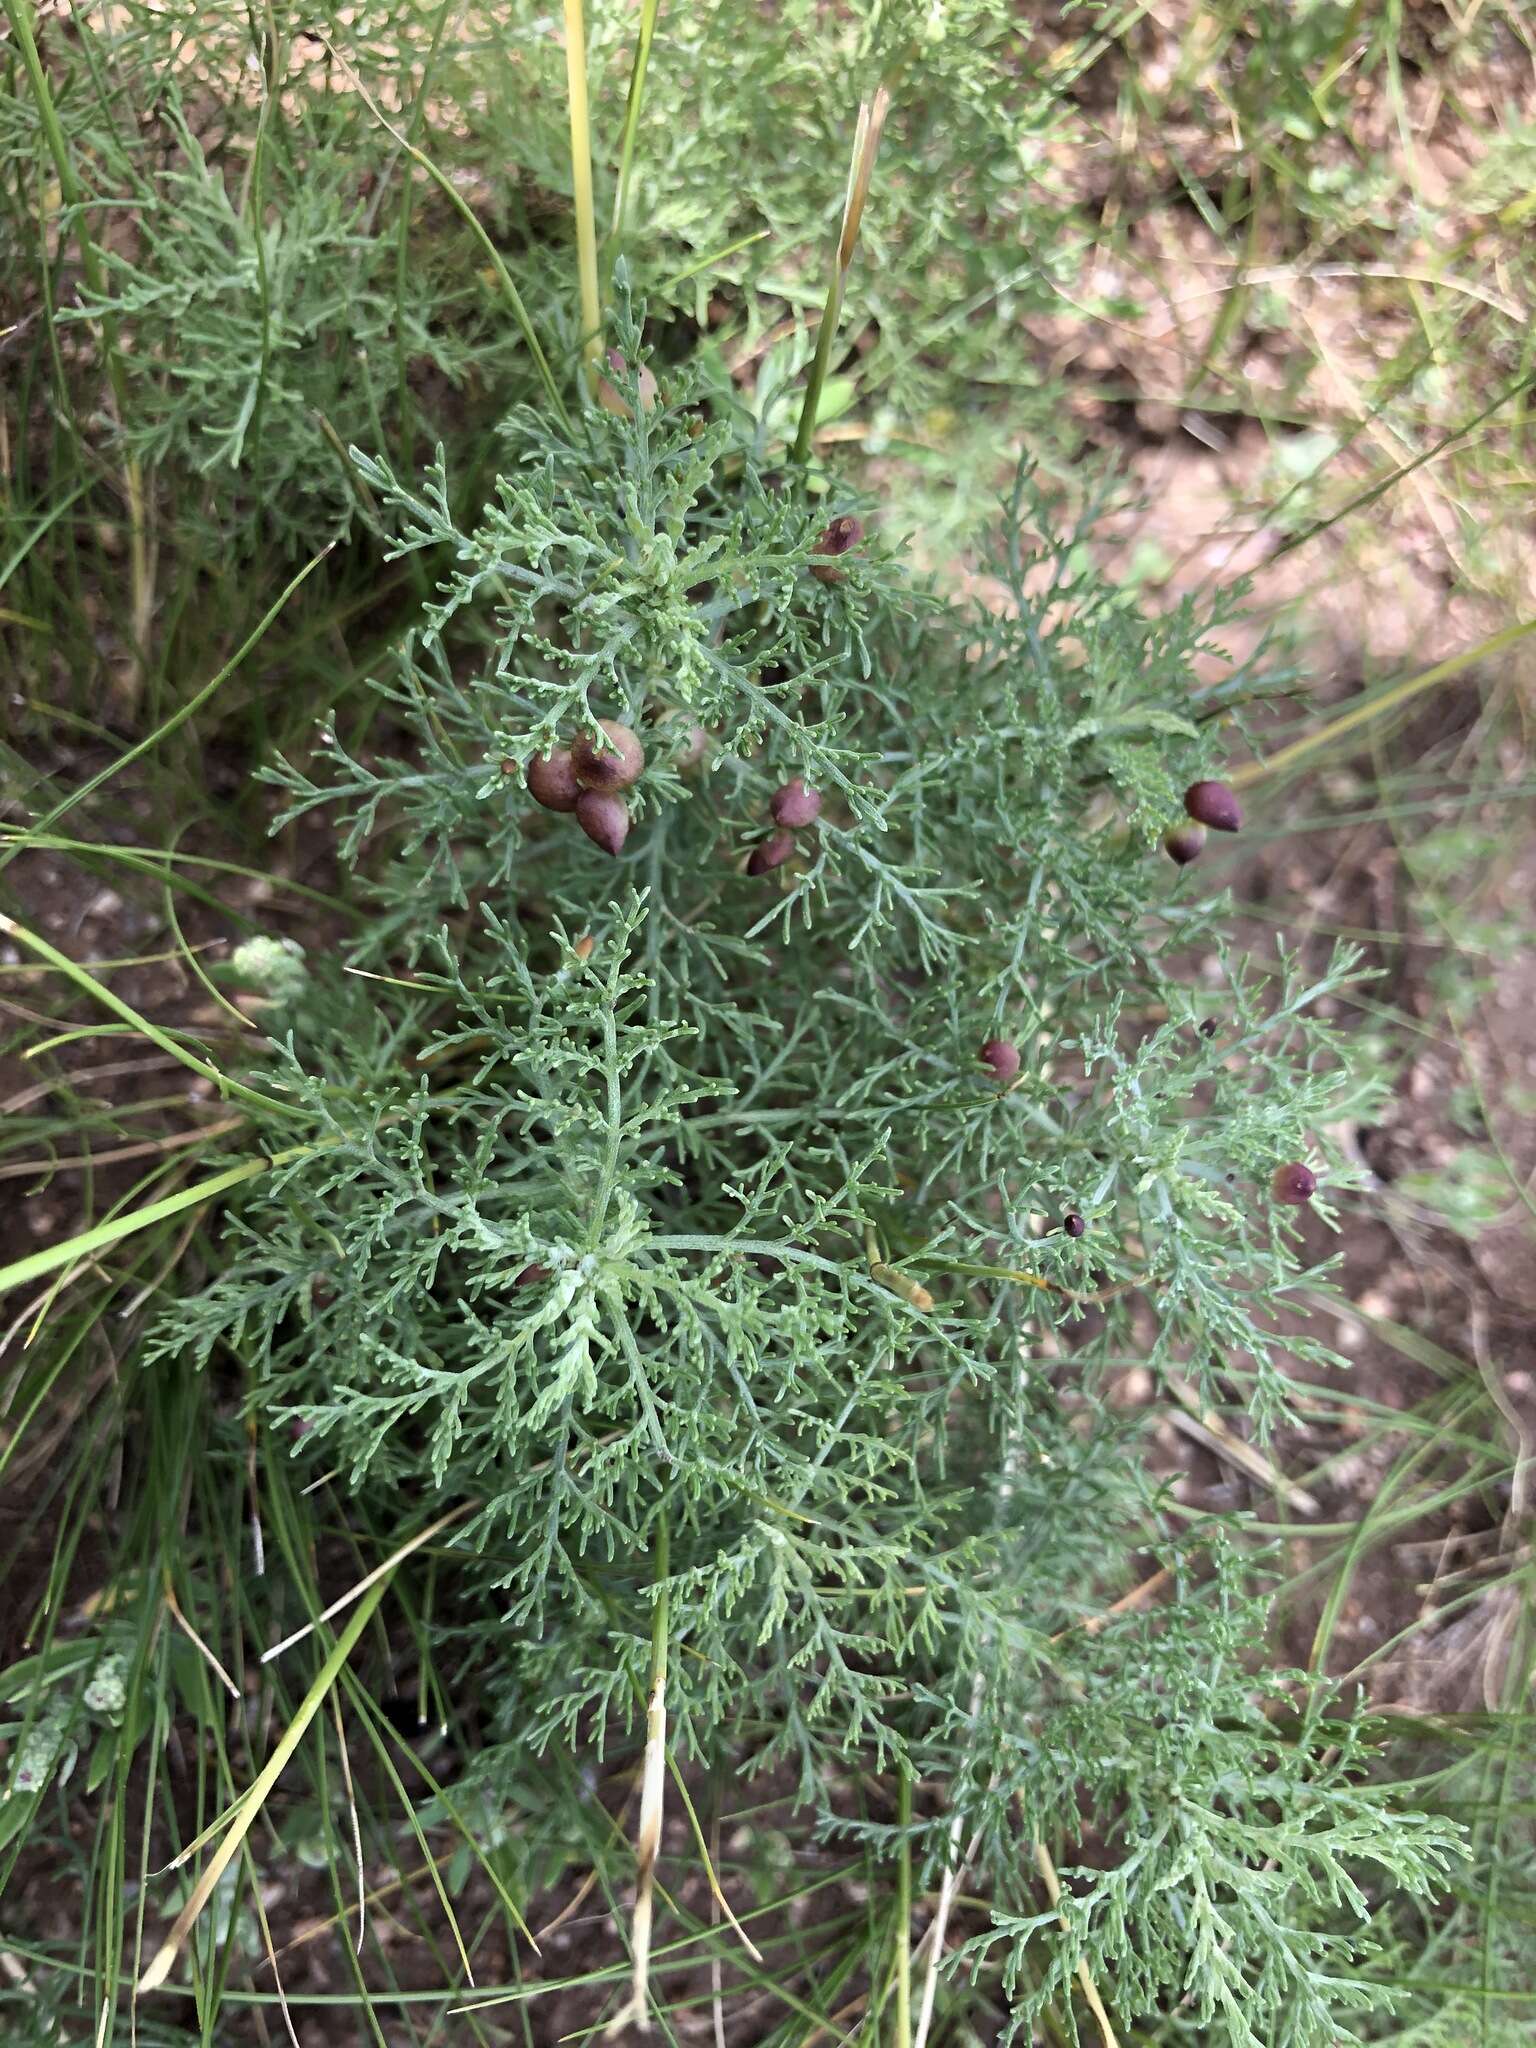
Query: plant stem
(904,1907)
(653,1780)
(811,403)
(581,179)
(403,238)
(1090,1990)
(866,145)
(648,13)
(74,198)
(938,1927)
(252,204)
(86,1243)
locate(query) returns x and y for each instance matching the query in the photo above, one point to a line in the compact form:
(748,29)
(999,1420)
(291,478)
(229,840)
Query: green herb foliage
(712,1234)
(656,1222)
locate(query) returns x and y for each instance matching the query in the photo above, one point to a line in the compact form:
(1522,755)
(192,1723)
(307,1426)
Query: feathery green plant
(675,1314)
(646,1209)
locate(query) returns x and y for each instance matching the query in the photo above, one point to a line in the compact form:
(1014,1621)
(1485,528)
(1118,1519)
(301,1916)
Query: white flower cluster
(40,1751)
(271,967)
(107,1691)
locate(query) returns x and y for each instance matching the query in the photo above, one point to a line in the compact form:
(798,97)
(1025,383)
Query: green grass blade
(164,1959)
(100,993)
(21,1272)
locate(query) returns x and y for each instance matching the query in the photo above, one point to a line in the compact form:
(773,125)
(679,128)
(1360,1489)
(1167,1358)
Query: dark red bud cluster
(1213,804)
(1002,1056)
(837,539)
(551,780)
(771,854)
(792,807)
(795,805)
(611,399)
(604,818)
(1182,843)
(1293,1185)
(586,777)
(615,764)
(1209,806)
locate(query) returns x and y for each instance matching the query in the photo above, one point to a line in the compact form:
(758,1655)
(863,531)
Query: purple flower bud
(1073,1224)
(532,1275)
(1182,843)
(1002,1056)
(1213,804)
(1294,1185)
(614,766)
(794,804)
(772,854)
(604,819)
(551,780)
(837,539)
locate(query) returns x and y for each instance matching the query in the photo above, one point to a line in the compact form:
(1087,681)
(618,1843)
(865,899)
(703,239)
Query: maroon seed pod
(615,766)
(1294,1185)
(611,400)
(551,780)
(1002,1056)
(1073,1224)
(837,539)
(604,819)
(1213,804)
(531,1276)
(794,804)
(772,854)
(1209,1028)
(1182,843)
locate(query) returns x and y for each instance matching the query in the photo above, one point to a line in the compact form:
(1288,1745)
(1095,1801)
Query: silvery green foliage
(980,112)
(284,280)
(639,1194)
(1246,1848)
